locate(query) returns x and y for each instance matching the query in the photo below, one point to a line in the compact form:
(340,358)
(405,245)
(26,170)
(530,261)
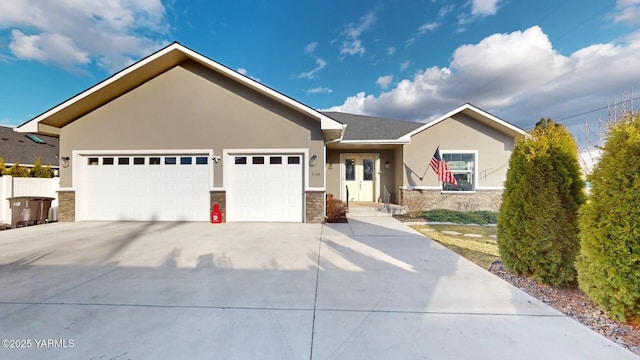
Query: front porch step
(374,209)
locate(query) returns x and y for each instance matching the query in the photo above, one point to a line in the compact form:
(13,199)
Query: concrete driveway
(371,289)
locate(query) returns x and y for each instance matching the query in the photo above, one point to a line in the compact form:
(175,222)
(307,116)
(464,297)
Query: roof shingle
(17,147)
(361,127)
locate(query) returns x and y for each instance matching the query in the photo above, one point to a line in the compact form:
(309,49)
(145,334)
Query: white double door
(359,176)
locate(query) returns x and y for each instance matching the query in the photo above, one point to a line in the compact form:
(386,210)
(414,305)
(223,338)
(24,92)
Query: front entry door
(359,177)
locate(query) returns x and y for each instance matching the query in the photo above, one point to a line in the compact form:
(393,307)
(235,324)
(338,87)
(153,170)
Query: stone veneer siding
(66,206)
(314,212)
(435,199)
(219,197)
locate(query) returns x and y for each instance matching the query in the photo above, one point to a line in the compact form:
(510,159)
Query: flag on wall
(440,167)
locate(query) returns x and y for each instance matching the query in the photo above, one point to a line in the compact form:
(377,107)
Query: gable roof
(138,73)
(371,128)
(479,115)
(17,147)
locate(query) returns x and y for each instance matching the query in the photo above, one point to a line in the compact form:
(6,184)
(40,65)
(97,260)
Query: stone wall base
(435,199)
(66,206)
(219,197)
(314,209)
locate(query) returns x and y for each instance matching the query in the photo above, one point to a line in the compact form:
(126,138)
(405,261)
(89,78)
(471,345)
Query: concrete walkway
(370,289)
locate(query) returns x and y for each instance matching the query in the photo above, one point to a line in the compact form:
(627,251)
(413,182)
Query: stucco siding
(191,107)
(459,132)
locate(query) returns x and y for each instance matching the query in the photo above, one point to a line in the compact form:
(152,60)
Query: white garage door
(265,188)
(152,187)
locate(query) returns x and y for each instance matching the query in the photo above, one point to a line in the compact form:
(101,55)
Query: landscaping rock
(575,304)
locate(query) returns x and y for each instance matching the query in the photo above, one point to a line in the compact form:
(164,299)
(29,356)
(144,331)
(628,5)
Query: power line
(598,109)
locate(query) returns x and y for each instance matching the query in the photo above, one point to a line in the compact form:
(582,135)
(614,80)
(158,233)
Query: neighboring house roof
(479,115)
(18,147)
(370,128)
(155,64)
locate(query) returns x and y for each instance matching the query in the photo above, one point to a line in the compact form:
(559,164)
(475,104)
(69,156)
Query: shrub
(17,171)
(538,219)
(609,261)
(415,203)
(480,217)
(3,166)
(40,171)
(336,211)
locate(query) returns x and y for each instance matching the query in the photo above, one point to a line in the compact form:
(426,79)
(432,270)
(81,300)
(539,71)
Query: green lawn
(481,250)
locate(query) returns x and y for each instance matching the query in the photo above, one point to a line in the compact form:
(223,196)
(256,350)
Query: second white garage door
(265,188)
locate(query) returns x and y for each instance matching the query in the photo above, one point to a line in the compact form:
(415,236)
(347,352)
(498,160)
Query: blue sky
(413,60)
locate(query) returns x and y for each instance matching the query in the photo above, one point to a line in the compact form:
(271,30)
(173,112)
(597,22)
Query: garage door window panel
(275,160)
(202,160)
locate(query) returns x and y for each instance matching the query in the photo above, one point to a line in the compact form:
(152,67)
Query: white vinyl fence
(13,187)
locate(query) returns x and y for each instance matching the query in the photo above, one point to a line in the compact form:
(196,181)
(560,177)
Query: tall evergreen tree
(609,261)
(538,219)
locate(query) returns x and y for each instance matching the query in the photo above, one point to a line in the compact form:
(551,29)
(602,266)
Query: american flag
(441,168)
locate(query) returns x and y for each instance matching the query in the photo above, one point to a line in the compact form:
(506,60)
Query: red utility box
(216,215)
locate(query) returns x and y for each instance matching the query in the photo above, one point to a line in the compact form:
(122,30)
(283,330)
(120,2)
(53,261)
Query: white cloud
(310,48)
(627,12)
(47,47)
(352,47)
(445,10)
(479,9)
(320,90)
(391,50)
(518,76)
(430,26)
(75,33)
(405,65)
(484,7)
(352,44)
(311,74)
(409,42)
(384,81)
(242,71)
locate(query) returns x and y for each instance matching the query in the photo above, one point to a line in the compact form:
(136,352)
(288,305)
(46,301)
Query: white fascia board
(29,127)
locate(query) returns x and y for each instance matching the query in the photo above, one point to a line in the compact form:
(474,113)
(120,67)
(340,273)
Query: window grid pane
(462,165)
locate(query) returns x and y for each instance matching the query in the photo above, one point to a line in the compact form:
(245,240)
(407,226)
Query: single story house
(26,149)
(175,133)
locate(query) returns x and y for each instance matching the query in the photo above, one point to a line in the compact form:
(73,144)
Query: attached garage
(265,187)
(140,146)
(159,187)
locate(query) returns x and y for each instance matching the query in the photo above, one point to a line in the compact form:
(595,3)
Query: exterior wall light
(313,161)
(387,165)
(64,161)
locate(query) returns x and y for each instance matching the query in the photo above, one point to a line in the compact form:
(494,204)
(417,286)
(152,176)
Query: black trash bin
(24,210)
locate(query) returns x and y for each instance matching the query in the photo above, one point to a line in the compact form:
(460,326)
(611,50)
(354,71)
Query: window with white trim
(463,166)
